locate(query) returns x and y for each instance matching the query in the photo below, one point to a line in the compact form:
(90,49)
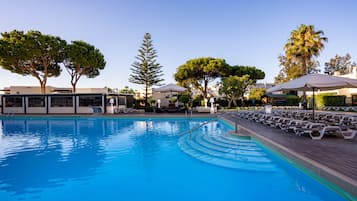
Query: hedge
(327,99)
(334,100)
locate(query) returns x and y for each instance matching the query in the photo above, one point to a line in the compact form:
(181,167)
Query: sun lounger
(296,124)
(349,134)
(336,130)
(310,129)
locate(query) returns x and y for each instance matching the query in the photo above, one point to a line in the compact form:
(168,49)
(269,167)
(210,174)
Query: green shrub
(184,98)
(222,102)
(319,99)
(292,101)
(327,99)
(334,100)
(197,101)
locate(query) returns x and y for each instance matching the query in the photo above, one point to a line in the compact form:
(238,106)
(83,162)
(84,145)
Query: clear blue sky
(242,32)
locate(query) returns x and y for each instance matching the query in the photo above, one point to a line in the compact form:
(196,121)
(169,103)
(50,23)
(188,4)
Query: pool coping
(340,180)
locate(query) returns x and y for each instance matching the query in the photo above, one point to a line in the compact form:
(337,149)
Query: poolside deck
(335,153)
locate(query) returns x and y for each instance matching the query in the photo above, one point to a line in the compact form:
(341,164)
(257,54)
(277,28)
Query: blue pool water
(142,159)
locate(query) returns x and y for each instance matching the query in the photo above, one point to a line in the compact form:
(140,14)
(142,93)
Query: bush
(139,104)
(327,99)
(319,99)
(334,100)
(254,102)
(184,98)
(197,101)
(222,102)
(292,100)
(149,109)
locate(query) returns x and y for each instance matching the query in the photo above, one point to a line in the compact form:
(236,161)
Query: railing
(197,127)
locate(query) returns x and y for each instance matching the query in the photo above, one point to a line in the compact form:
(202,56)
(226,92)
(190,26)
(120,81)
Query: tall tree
(342,64)
(304,44)
(32,53)
(199,72)
(82,59)
(146,71)
(234,87)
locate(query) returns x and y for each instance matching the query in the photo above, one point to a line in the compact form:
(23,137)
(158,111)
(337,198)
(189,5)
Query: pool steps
(227,151)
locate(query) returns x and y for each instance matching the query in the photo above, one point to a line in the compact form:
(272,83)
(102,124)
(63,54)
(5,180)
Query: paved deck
(335,153)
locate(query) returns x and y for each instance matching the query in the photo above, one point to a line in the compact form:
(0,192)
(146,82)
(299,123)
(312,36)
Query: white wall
(36,110)
(14,110)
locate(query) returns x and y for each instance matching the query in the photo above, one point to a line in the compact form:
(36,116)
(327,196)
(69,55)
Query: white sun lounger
(349,134)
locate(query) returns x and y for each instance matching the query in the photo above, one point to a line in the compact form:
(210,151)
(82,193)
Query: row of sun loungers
(301,123)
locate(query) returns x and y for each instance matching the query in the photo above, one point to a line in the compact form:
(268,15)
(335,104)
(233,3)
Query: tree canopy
(199,72)
(32,53)
(342,64)
(253,72)
(291,69)
(82,59)
(127,90)
(234,87)
(304,44)
(257,93)
(146,71)
(300,53)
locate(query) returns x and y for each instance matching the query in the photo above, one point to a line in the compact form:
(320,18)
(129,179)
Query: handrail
(197,127)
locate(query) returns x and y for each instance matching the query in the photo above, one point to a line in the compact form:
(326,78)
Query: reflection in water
(36,154)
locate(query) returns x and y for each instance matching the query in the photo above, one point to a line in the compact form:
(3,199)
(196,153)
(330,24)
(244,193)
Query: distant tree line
(234,80)
(341,64)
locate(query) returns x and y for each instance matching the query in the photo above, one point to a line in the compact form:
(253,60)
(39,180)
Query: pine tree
(146,71)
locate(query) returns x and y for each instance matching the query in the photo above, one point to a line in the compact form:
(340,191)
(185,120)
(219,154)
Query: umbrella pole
(313,103)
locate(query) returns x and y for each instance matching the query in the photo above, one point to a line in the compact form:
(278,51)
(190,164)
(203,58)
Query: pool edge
(308,165)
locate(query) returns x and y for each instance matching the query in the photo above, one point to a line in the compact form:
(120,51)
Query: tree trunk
(304,66)
(304,72)
(205,89)
(43,88)
(234,102)
(73,87)
(229,103)
(146,97)
(74,80)
(242,98)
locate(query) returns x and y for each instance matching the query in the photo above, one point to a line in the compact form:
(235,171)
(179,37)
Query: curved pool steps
(227,151)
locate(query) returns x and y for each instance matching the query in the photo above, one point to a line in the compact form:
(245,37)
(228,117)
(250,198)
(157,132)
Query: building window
(122,100)
(36,101)
(13,101)
(85,101)
(61,101)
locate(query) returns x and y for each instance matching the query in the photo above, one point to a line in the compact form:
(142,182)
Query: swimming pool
(57,158)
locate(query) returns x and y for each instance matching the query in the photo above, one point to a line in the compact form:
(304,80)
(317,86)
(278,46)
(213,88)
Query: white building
(29,100)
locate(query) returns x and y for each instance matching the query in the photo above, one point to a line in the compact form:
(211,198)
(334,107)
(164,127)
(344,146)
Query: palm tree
(304,44)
